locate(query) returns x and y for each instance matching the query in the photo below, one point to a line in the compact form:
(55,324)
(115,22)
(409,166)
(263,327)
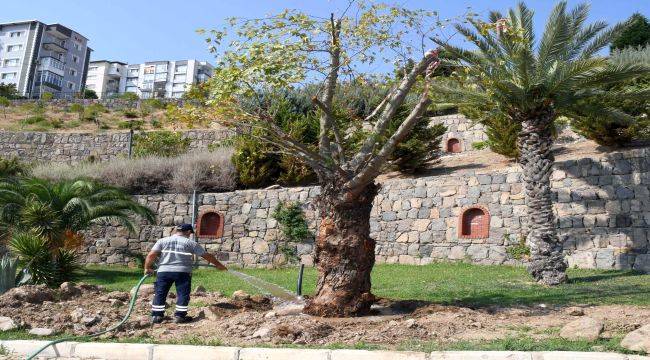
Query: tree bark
(345,254)
(547,264)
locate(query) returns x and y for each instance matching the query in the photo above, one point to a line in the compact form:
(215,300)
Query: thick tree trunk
(547,265)
(345,254)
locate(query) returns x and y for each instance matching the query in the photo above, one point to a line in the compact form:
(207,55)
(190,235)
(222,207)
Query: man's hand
(148,271)
(213,260)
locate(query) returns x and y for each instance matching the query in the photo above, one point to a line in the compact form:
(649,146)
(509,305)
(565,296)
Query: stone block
(27,347)
(112,351)
(377,355)
(481,355)
(176,352)
(282,354)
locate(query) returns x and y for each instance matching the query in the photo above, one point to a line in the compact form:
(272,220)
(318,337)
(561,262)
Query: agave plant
(533,82)
(8,267)
(43,221)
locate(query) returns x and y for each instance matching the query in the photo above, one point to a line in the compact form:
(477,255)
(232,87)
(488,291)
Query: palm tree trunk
(547,264)
(345,254)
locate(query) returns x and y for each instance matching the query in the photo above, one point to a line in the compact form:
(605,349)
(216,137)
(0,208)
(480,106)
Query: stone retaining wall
(75,147)
(602,207)
(459,127)
(112,104)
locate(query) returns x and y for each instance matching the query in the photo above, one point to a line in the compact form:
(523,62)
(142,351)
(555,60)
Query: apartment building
(155,79)
(40,58)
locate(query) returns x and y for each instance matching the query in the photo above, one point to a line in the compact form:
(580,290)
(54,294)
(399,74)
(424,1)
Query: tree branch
(395,100)
(328,95)
(373,166)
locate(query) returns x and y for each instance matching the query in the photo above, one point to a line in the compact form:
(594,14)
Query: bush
(501,131)
(9,91)
(204,171)
(153,103)
(130,114)
(420,147)
(480,145)
(293,226)
(12,168)
(47,96)
(616,129)
(160,143)
(635,34)
(4,103)
(79,109)
(129,96)
(45,266)
(131,124)
(293,223)
(89,94)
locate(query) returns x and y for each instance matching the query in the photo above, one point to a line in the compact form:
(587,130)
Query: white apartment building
(40,58)
(155,79)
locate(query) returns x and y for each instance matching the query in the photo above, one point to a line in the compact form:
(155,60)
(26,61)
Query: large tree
(533,82)
(291,49)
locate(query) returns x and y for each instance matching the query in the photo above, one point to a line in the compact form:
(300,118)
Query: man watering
(176,254)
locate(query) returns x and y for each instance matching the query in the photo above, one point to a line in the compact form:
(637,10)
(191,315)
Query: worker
(176,254)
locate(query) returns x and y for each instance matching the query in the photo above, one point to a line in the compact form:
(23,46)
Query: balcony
(59,31)
(114,71)
(51,64)
(56,47)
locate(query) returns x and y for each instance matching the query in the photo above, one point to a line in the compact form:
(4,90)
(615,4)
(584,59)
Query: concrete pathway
(116,351)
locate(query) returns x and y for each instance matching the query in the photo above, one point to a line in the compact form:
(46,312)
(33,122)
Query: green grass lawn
(458,283)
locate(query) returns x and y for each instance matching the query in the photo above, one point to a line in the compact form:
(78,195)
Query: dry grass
(202,171)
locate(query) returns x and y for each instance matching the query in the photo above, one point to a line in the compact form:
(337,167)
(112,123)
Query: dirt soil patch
(249,321)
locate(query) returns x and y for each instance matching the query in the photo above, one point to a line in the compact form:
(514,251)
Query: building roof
(108,61)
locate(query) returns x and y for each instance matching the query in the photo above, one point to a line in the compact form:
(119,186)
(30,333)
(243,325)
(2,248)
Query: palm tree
(533,82)
(44,219)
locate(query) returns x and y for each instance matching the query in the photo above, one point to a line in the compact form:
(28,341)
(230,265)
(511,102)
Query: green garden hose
(128,313)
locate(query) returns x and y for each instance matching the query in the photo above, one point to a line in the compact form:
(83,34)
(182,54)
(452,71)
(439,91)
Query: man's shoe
(156,319)
(182,319)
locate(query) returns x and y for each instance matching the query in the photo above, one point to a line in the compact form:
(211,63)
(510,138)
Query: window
(15,34)
(179,78)
(149,69)
(474,223)
(210,225)
(73,72)
(161,77)
(90,86)
(12,48)
(91,76)
(11,62)
(181,69)
(134,72)
(177,94)
(77,46)
(92,68)
(8,76)
(75,58)
(162,68)
(132,89)
(453,145)
(50,78)
(71,85)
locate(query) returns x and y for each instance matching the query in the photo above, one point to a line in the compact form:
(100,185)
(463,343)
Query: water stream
(267,288)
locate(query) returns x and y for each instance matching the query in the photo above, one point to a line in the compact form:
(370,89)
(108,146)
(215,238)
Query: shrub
(155,123)
(616,128)
(501,131)
(635,34)
(293,223)
(131,124)
(8,267)
(4,103)
(203,171)
(45,266)
(420,147)
(79,109)
(153,104)
(480,145)
(129,96)
(130,114)
(9,91)
(160,143)
(12,168)
(89,94)
(47,96)
(293,226)
(93,111)
(33,120)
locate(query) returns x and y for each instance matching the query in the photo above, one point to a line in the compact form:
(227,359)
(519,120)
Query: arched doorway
(210,225)
(474,223)
(453,145)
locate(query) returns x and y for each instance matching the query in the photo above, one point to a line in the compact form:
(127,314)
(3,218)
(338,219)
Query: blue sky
(138,30)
